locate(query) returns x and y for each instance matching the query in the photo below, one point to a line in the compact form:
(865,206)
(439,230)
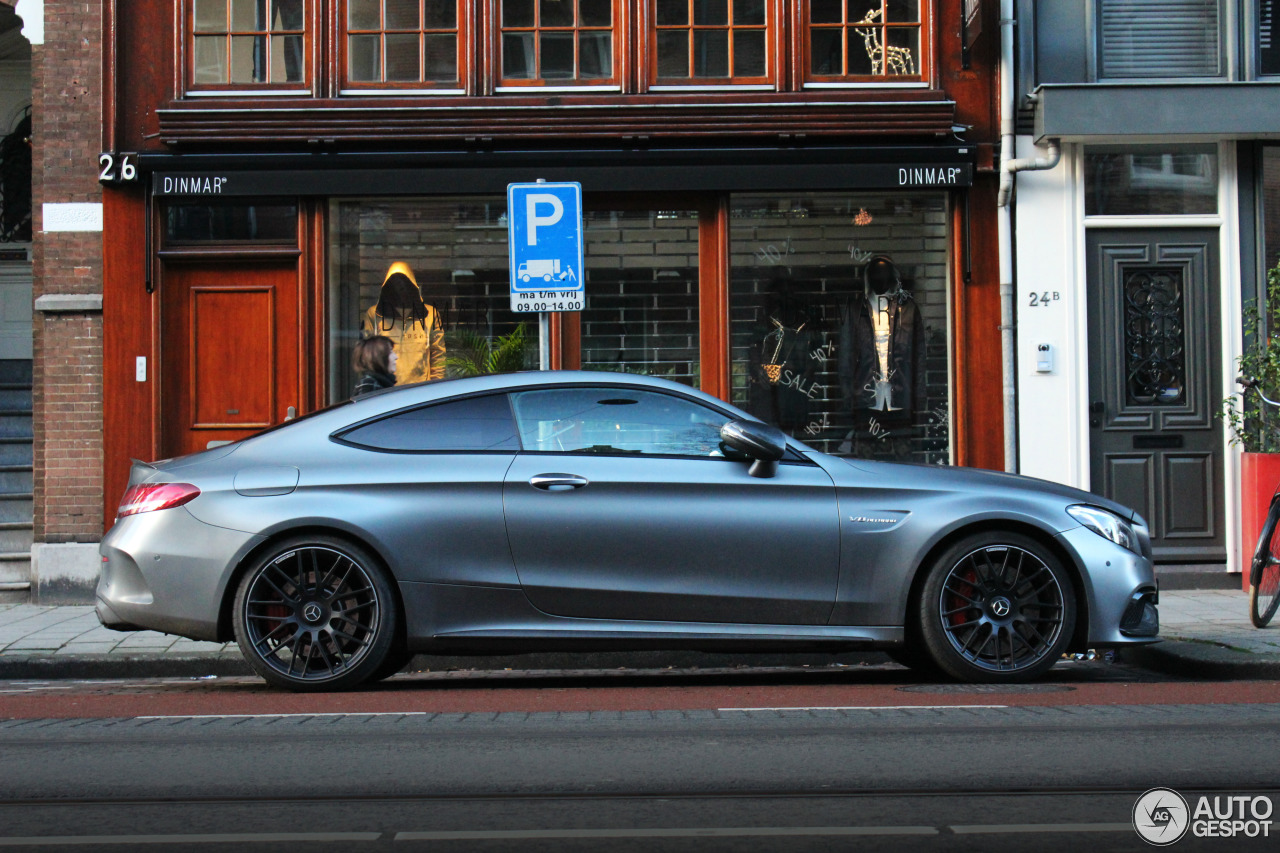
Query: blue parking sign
(544,232)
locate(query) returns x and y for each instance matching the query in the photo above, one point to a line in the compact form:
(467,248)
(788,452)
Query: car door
(622,506)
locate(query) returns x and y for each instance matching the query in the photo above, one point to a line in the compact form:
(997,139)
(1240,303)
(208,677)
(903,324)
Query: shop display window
(431,274)
(558,42)
(248,42)
(1137,180)
(702,41)
(403,43)
(865,40)
(839,320)
(641,313)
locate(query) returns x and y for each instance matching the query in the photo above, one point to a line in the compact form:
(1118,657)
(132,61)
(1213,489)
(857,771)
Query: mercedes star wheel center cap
(312,612)
(1000,607)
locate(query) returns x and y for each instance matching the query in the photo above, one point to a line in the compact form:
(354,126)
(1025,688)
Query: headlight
(1106,524)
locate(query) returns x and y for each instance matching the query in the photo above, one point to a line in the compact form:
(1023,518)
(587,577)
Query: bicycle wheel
(1264,573)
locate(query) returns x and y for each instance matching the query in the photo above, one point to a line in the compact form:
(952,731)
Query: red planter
(1259,477)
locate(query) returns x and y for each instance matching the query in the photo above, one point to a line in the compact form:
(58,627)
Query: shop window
(225,221)
(476,424)
(865,40)
(558,42)
(641,313)
(1167,180)
(431,274)
(838,320)
(616,422)
(1159,38)
(403,43)
(257,43)
(712,41)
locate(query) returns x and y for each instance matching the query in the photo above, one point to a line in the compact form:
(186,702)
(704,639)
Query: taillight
(153,496)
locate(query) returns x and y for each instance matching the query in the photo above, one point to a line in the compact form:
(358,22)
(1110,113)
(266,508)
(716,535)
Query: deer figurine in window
(885,59)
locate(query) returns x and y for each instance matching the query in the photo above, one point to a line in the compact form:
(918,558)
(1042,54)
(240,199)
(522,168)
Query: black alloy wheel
(315,613)
(997,607)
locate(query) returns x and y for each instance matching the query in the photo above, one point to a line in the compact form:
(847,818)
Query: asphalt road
(871,760)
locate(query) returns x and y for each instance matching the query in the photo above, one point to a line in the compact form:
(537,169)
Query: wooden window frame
(617,31)
(803,48)
(187,61)
(773,55)
(462,33)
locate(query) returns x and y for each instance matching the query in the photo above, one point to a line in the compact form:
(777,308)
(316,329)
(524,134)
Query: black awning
(667,170)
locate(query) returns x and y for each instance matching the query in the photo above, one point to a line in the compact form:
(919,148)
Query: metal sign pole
(544,340)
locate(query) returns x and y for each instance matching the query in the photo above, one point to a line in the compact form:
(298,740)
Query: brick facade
(67,393)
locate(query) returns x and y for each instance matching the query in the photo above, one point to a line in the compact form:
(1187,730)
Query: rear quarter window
(474,424)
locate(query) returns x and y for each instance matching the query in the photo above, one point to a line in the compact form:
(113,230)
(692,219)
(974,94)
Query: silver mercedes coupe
(605,511)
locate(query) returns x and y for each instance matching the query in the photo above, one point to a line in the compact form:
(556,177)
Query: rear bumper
(167,571)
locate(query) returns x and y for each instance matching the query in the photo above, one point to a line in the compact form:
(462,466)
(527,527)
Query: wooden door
(230,352)
(1155,359)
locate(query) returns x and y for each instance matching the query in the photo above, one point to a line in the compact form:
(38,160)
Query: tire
(315,613)
(996,607)
(396,660)
(1264,572)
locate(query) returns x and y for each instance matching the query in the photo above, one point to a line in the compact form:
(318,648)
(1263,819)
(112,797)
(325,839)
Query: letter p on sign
(531,202)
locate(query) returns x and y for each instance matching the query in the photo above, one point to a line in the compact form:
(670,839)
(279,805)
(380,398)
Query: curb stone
(1202,659)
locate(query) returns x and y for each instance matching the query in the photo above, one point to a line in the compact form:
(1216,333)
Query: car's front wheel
(996,607)
(315,613)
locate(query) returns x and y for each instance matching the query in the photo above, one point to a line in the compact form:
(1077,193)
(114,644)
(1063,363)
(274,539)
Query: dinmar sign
(713,177)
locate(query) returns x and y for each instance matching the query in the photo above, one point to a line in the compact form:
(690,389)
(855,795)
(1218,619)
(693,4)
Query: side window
(616,421)
(236,43)
(475,424)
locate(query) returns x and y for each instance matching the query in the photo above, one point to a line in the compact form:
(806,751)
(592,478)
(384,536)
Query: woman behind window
(374,359)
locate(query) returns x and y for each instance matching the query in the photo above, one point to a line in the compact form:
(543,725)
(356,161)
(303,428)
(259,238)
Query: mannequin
(881,355)
(412,325)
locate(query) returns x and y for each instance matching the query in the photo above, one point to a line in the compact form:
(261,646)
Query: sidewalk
(1206,632)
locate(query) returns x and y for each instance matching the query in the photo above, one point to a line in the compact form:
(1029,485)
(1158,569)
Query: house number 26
(117,168)
(1042,300)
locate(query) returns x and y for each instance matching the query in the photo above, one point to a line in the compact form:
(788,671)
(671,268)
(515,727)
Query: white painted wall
(1053,436)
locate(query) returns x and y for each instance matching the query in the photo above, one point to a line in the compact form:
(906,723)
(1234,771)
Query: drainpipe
(1004,227)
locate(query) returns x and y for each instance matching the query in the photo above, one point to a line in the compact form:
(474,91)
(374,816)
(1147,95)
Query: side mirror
(760,442)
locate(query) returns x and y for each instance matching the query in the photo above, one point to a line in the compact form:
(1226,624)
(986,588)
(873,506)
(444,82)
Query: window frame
(774,50)
(1227,49)
(187,61)
(803,49)
(618,32)
(464,26)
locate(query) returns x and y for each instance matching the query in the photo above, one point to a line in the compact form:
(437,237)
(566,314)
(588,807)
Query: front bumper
(167,571)
(1119,587)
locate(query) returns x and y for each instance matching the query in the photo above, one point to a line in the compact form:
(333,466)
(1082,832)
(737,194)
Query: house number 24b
(1042,300)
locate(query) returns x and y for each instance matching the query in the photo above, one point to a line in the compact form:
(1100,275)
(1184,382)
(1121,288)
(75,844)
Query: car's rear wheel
(315,613)
(996,607)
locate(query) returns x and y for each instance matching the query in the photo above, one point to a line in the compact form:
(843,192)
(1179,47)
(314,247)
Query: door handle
(557,482)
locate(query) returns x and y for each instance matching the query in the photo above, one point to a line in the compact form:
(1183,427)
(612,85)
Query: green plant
(473,354)
(1254,424)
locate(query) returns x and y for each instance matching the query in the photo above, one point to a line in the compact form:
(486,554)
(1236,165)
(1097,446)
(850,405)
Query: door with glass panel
(1154,384)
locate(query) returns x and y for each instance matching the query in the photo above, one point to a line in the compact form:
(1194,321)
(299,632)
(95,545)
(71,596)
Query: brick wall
(66,108)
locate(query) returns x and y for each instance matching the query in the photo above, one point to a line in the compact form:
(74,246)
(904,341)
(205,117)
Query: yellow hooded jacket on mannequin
(401,314)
